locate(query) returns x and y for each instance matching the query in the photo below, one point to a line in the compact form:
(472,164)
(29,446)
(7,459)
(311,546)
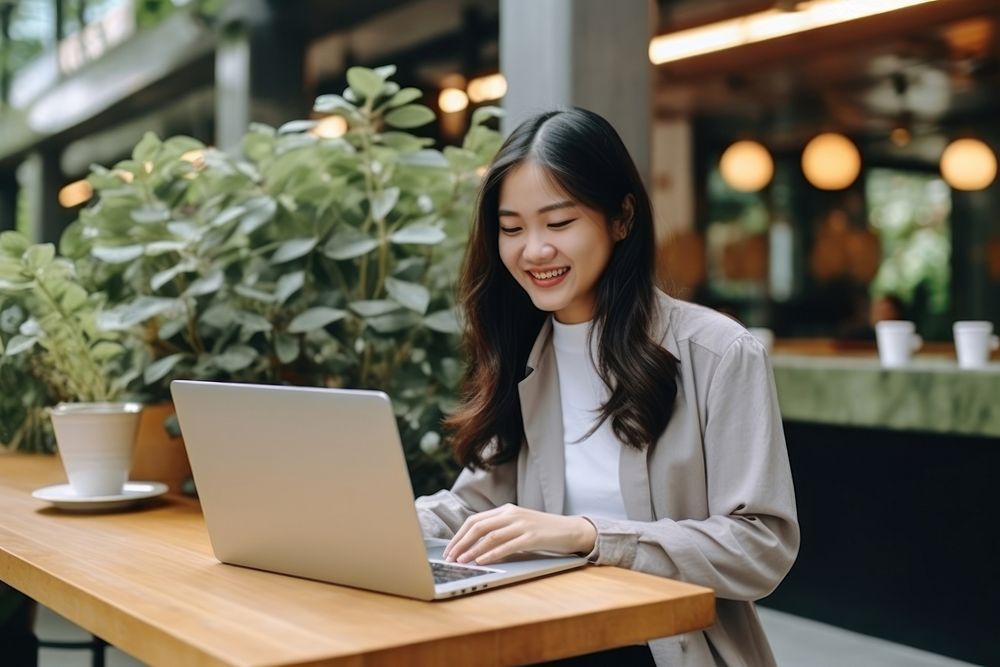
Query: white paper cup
(974,340)
(95,442)
(897,341)
(765,336)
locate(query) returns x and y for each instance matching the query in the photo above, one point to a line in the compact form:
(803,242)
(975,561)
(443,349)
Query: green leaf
(162,247)
(39,256)
(288,285)
(385,71)
(296,126)
(258,211)
(74,297)
(252,323)
(393,322)
(14,244)
(219,316)
(287,347)
(332,103)
(411,295)
(147,148)
(374,308)
(404,142)
(384,202)
(483,114)
(425,158)
(151,213)
(144,308)
(159,368)
(419,235)
(19,344)
(117,254)
(104,351)
(405,96)
(255,294)
(228,215)
(293,249)
(236,358)
(161,278)
(206,284)
(409,116)
(349,244)
(315,318)
(171,328)
(443,321)
(364,82)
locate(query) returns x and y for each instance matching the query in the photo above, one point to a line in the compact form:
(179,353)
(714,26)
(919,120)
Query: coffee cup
(95,442)
(974,340)
(897,341)
(765,336)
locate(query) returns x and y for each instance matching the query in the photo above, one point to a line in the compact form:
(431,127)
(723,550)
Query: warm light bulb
(452,100)
(831,161)
(968,164)
(746,166)
(330,127)
(491,87)
(74,194)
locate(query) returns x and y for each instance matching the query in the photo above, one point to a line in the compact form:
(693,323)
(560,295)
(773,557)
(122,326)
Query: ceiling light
(765,25)
(968,164)
(746,166)
(831,161)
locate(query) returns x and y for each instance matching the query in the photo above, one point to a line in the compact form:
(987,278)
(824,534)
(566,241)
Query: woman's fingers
(473,530)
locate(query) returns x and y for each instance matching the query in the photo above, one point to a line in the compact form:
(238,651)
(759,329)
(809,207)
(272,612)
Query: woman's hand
(490,536)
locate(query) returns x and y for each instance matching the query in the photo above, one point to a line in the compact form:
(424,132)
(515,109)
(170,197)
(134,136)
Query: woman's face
(556,248)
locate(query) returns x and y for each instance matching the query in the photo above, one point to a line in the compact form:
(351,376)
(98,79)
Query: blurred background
(879,102)
(815,166)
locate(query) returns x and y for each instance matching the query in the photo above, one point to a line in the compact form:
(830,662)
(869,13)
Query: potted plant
(84,366)
(304,260)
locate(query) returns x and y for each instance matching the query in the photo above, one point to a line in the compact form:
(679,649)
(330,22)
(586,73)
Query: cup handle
(995,342)
(917,343)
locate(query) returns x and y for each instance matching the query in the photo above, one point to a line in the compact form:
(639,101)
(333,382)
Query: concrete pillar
(259,70)
(41,178)
(587,53)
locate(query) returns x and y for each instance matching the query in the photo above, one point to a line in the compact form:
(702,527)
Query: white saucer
(62,496)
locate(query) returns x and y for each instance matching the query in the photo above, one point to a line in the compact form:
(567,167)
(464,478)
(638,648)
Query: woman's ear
(622,225)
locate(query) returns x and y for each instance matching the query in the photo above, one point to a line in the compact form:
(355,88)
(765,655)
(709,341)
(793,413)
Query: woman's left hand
(492,535)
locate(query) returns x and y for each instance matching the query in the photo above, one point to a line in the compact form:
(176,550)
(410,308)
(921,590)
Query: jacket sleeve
(442,514)
(751,536)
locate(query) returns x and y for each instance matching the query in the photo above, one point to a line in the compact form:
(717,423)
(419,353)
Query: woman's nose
(539,249)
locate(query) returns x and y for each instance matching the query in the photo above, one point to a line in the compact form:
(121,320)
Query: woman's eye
(509,230)
(560,225)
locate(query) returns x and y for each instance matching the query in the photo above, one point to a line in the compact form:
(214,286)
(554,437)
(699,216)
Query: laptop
(312,482)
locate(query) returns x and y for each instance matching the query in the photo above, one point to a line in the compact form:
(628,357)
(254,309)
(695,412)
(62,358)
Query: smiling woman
(600,416)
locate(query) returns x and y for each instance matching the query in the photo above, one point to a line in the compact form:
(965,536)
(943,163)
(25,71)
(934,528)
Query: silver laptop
(313,482)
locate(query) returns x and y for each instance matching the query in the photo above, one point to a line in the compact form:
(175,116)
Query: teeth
(549,274)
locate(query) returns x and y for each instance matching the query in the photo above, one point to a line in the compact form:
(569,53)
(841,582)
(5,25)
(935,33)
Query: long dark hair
(582,154)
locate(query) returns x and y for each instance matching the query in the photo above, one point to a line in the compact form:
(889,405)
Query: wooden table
(146,581)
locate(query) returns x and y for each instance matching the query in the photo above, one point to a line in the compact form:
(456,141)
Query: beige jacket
(712,503)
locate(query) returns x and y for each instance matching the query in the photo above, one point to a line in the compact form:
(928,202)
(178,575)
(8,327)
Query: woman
(601,416)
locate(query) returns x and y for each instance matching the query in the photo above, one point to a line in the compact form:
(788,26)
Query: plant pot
(158,456)
(95,442)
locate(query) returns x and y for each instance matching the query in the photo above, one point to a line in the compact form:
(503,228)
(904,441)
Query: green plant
(305,260)
(79,360)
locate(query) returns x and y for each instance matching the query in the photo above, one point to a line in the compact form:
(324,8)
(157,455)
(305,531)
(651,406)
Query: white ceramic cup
(95,442)
(974,340)
(897,341)
(765,336)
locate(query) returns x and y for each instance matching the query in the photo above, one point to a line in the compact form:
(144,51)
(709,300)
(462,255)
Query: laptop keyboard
(447,572)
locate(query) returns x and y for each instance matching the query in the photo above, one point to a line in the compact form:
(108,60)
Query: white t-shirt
(592,485)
